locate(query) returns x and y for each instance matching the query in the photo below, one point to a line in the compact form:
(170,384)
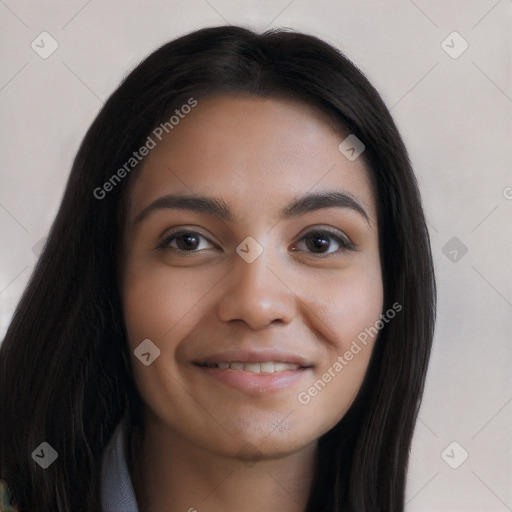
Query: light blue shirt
(117,494)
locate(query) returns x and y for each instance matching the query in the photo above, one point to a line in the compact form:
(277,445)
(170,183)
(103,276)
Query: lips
(256,372)
(256,361)
(257,367)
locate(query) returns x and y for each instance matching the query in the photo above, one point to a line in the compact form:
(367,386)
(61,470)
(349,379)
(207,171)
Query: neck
(170,473)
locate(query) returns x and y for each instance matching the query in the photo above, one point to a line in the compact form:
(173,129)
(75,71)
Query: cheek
(347,311)
(158,301)
(345,302)
(162,305)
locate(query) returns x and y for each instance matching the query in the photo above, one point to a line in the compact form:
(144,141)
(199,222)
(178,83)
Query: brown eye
(318,243)
(187,241)
(183,240)
(326,242)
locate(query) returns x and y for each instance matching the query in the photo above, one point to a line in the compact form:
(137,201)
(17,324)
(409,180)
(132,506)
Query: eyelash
(345,245)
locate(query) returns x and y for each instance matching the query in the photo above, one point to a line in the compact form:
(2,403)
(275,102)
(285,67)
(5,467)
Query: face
(251,263)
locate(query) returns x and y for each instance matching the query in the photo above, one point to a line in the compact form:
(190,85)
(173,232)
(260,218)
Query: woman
(235,306)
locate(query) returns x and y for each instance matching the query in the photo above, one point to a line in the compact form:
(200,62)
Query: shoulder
(117,491)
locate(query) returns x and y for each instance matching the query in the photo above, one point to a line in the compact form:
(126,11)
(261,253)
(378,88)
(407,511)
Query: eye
(323,241)
(318,241)
(185,240)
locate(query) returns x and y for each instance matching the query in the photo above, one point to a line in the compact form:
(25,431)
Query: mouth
(255,373)
(254,367)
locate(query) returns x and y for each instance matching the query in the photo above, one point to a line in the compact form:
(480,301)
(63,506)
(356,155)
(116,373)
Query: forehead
(253,152)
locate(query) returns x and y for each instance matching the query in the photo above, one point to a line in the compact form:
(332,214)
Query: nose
(256,294)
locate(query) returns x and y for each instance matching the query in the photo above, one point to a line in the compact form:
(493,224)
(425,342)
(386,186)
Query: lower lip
(256,383)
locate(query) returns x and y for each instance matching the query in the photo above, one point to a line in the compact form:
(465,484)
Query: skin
(207,445)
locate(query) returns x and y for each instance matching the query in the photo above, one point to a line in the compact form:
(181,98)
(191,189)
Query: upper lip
(255,356)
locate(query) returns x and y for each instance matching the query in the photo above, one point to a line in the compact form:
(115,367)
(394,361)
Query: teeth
(252,367)
(263,367)
(267,367)
(282,367)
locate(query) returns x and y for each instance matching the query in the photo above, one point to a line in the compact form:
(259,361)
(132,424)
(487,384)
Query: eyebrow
(218,208)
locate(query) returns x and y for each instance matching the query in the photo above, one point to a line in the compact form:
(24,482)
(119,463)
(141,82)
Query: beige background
(455,117)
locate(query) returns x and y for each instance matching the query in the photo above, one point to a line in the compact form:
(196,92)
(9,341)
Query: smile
(255,367)
(255,378)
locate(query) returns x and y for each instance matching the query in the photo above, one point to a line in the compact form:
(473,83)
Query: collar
(117,492)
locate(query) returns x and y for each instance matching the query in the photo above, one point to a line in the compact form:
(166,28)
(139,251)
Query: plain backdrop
(453,107)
